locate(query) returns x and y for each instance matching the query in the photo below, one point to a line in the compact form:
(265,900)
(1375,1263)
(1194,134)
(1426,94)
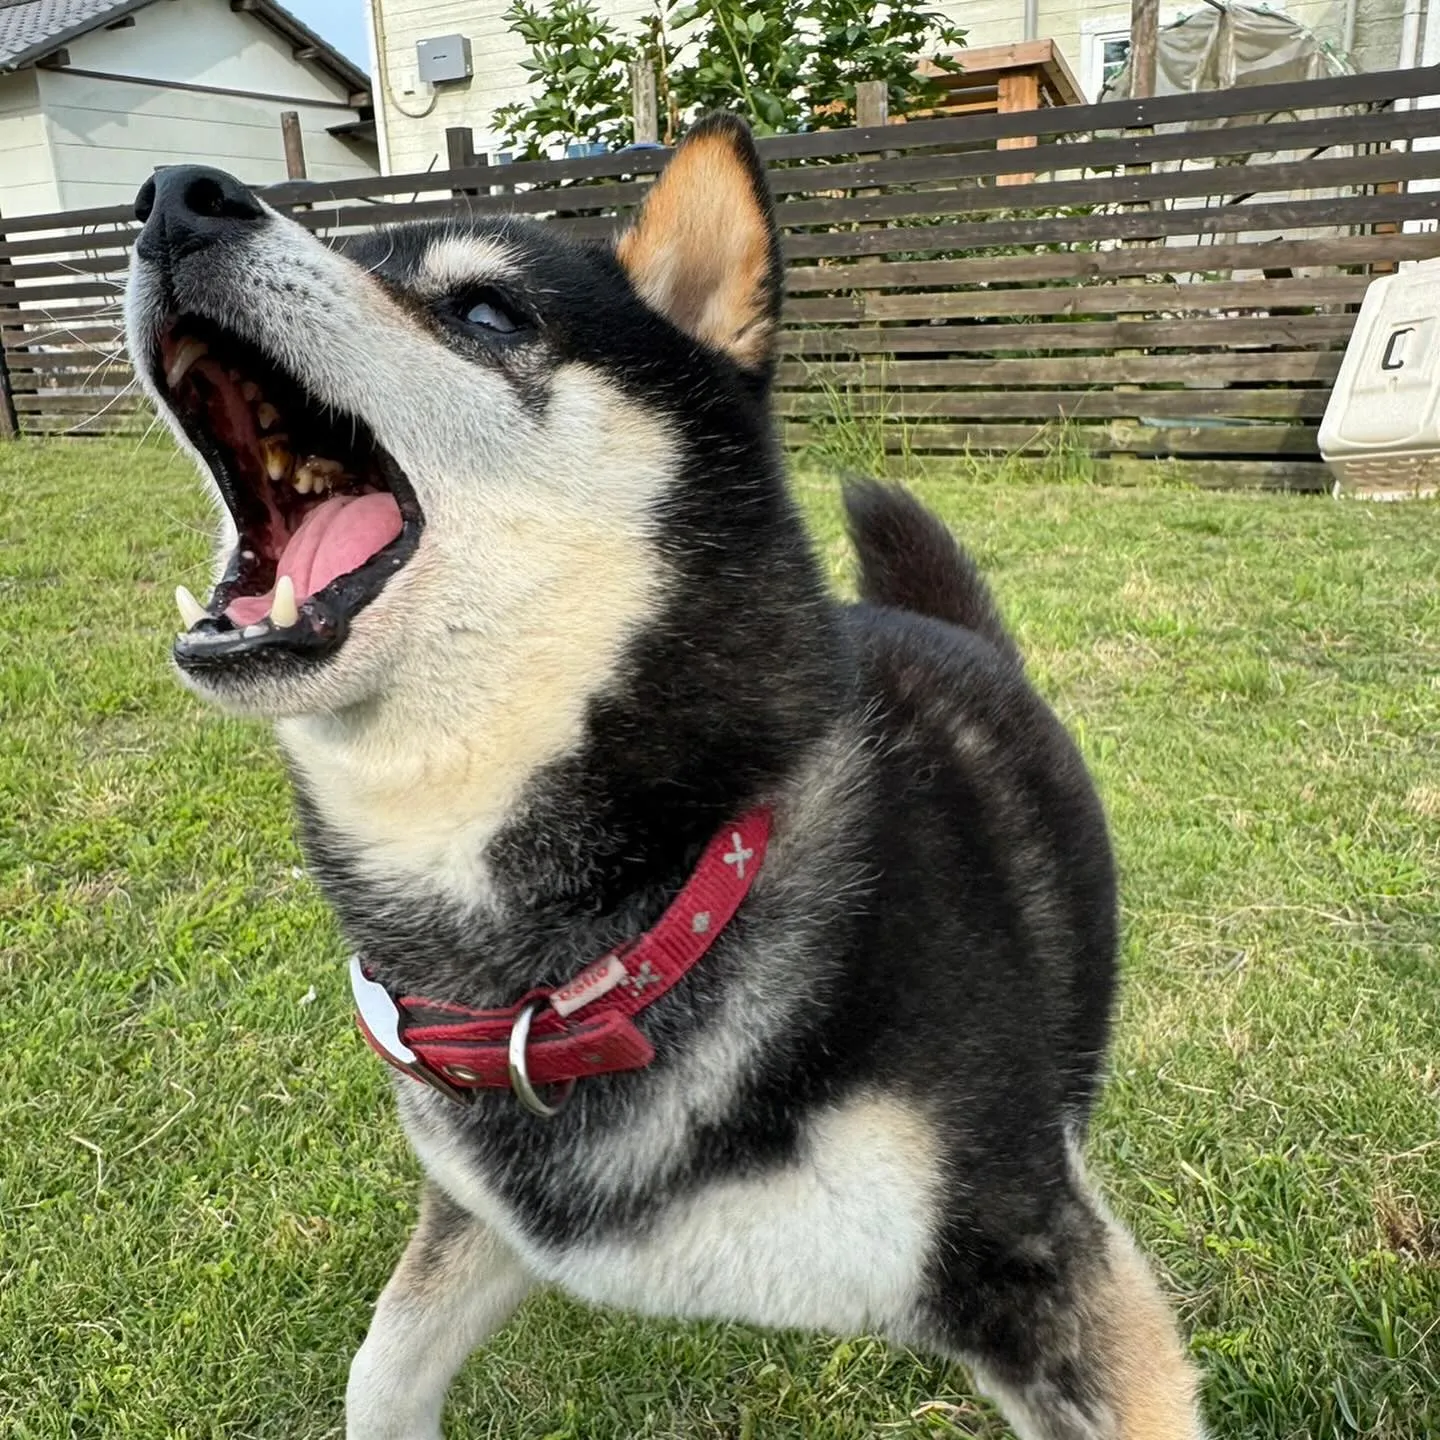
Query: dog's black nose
(184,207)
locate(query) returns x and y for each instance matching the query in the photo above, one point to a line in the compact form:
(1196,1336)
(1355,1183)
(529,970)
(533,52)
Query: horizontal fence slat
(37,402)
(1315,366)
(1276,330)
(1062,404)
(86,339)
(1139,225)
(1218,474)
(1169,297)
(1118,436)
(59,361)
(1328,251)
(67,290)
(69,242)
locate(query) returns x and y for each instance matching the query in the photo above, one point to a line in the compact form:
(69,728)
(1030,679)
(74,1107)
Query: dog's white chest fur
(834,1240)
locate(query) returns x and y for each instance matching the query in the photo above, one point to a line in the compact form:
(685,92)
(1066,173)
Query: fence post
(1144,40)
(872,103)
(294,144)
(459,147)
(460,155)
(643,104)
(9,420)
(1017,93)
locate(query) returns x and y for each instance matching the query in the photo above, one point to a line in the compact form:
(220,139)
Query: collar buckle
(379,1018)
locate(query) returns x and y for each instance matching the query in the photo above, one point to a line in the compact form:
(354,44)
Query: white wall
(27,180)
(108,135)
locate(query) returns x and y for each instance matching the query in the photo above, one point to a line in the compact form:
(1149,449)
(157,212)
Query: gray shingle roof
(30,28)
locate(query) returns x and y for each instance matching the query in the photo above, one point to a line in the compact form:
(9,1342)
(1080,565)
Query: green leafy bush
(786,66)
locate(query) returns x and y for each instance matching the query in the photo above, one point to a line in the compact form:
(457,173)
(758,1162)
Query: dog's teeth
(249,392)
(255,631)
(283,610)
(266,414)
(278,458)
(189,352)
(316,473)
(192,612)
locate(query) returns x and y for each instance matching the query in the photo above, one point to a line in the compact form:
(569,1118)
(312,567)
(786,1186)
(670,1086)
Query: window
(1104,51)
(1114,52)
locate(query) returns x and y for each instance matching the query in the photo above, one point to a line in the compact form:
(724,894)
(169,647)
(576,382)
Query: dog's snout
(184,207)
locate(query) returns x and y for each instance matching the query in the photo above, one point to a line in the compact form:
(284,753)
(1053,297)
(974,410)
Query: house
(1093,37)
(94,94)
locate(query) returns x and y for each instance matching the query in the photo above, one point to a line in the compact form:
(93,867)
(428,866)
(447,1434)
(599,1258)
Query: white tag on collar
(379,1014)
(590,984)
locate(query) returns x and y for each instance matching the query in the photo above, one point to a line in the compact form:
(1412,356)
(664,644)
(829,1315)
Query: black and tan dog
(756,951)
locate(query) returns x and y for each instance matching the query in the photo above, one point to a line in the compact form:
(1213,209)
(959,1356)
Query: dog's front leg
(456,1284)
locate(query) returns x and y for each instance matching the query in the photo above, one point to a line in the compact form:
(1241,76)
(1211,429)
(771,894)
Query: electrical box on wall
(444,59)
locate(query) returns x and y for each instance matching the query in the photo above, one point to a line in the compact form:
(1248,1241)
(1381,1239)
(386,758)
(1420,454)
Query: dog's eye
(488,312)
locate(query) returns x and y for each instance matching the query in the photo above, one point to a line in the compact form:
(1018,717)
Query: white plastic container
(1381,431)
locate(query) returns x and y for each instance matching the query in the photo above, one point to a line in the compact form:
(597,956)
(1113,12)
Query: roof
(32,29)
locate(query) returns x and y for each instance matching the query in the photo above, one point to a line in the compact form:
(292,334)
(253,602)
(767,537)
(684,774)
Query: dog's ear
(704,250)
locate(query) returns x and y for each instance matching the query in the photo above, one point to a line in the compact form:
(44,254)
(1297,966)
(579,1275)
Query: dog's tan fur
(700,251)
(1152,1382)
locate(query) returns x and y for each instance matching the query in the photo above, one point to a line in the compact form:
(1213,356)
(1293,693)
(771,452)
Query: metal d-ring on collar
(520,1075)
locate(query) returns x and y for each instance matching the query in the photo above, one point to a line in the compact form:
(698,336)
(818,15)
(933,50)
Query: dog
(741,953)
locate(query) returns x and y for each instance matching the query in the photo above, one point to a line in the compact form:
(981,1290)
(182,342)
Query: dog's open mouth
(324,515)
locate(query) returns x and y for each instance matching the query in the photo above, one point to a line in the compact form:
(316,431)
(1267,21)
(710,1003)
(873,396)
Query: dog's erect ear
(704,251)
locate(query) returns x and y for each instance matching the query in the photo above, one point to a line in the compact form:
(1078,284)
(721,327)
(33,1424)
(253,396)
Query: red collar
(553,1037)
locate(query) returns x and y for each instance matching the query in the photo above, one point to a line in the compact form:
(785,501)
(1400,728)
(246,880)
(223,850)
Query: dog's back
(949,680)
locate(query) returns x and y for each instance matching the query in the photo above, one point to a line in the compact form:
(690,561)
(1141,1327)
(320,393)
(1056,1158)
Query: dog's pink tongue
(333,539)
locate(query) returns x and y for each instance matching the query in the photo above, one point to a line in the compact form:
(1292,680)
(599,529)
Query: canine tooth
(192,612)
(266,414)
(283,610)
(278,458)
(189,352)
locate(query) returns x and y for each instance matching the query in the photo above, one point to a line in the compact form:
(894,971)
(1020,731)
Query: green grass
(201,1183)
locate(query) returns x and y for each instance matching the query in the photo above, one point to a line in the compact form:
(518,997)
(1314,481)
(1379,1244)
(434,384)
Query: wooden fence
(1170,278)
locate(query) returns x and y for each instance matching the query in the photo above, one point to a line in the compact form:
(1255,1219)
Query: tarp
(1220,48)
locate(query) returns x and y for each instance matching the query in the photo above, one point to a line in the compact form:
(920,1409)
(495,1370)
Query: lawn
(202,1186)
